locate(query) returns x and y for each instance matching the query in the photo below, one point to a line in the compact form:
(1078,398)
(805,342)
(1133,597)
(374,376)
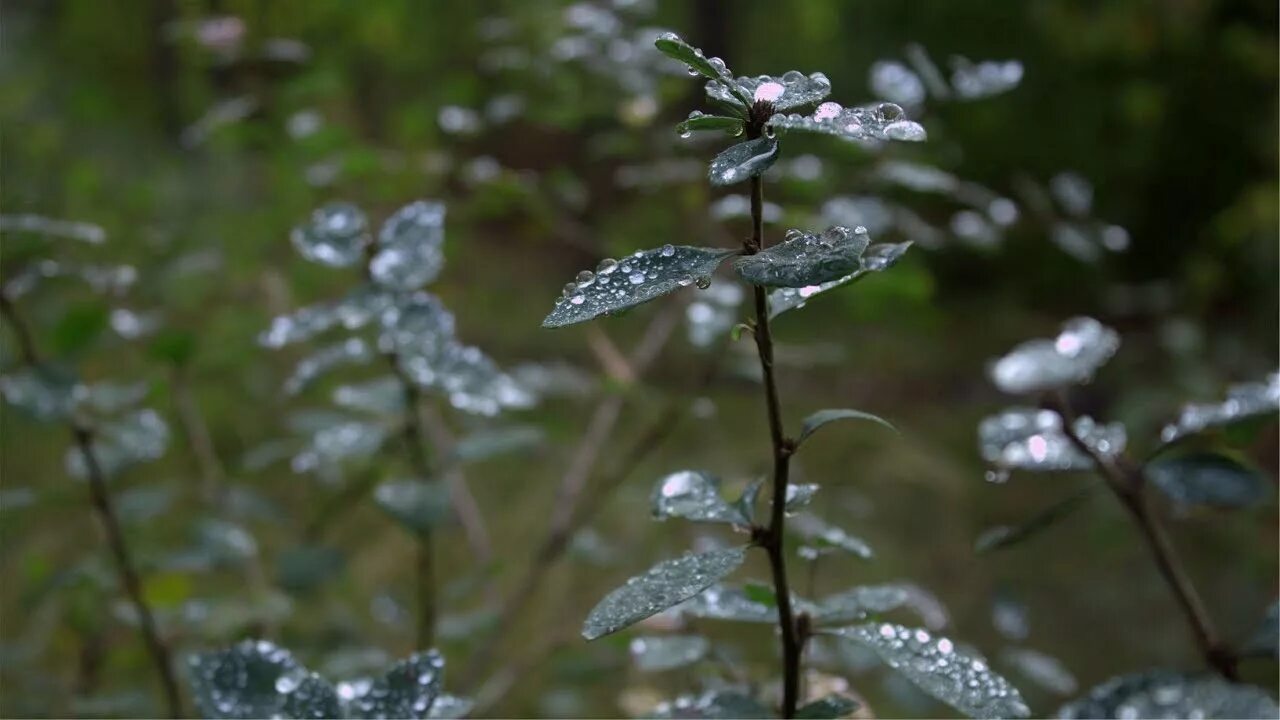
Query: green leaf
(407,690)
(46,392)
(935,666)
(304,568)
(713,705)
(666,584)
(639,278)
(746,504)
(743,161)
(799,495)
(674,47)
(118,444)
(828,708)
(450,707)
(666,652)
(1004,536)
(491,442)
(1070,358)
(805,258)
(1170,694)
(829,536)
(1207,479)
(885,121)
(257,679)
(754,603)
(419,505)
(1244,401)
(695,496)
(792,89)
(822,417)
(410,247)
(173,346)
(857,603)
(78,327)
(880,256)
(336,235)
(699,122)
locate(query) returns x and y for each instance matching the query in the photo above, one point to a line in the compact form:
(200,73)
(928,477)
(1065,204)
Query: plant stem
(792,644)
(1128,482)
(421,462)
(82,437)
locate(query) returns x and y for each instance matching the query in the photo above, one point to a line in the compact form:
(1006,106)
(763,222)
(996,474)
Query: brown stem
(100,498)
(772,540)
(199,440)
(1127,482)
(421,462)
(159,651)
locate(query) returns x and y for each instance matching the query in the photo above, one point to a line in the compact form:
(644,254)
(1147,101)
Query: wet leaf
(822,417)
(410,247)
(450,707)
(674,47)
(792,89)
(638,278)
(935,666)
(1071,358)
(743,161)
(257,679)
(885,121)
(693,495)
(78,327)
(349,351)
(492,442)
(857,603)
(666,584)
(46,392)
(1031,439)
(719,602)
(1207,479)
(418,505)
(667,652)
(1043,670)
(407,690)
(118,444)
(1004,536)
(306,567)
(972,81)
(1247,400)
(824,536)
(336,235)
(799,495)
(1170,694)
(880,256)
(828,708)
(699,122)
(713,705)
(746,503)
(805,258)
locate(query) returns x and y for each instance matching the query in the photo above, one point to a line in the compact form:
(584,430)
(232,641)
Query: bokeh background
(195,134)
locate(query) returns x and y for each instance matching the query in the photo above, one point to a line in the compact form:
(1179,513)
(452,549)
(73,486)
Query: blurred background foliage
(196,133)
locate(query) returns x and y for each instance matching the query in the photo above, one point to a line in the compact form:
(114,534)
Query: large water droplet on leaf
(876,258)
(805,259)
(791,90)
(257,679)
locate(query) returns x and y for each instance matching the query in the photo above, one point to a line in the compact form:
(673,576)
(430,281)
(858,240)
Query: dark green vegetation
(402,489)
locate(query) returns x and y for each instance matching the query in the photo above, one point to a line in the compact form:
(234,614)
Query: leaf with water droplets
(858,602)
(712,705)
(743,161)
(825,536)
(349,351)
(1004,536)
(1265,641)
(666,652)
(1244,401)
(257,679)
(450,707)
(880,256)
(935,666)
(380,396)
(828,708)
(719,602)
(360,307)
(805,258)
(693,495)
(336,235)
(675,47)
(700,122)
(822,417)
(984,79)
(410,247)
(1170,694)
(491,442)
(792,89)
(885,121)
(118,444)
(1043,670)
(746,503)
(407,690)
(45,392)
(1071,358)
(306,567)
(666,584)
(333,443)
(1207,479)
(1033,439)
(638,278)
(419,505)
(799,495)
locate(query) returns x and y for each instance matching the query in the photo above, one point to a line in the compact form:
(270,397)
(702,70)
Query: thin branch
(464,502)
(212,473)
(772,541)
(1127,482)
(100,497)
